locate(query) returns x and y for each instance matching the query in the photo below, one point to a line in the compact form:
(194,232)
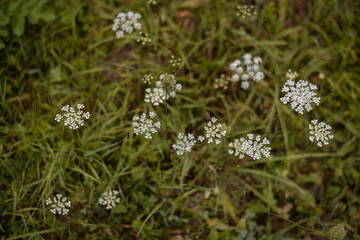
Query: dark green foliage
(15,13)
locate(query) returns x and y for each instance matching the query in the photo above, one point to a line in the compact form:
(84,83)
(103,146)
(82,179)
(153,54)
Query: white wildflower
(214,131)
(72,118)
(254,148)
(144,39)
(175,62)
(223,81)
(184,143)
(155,95)
(320,132)
(126,23)
(153,2)
(300,95)
(246,69)
(145,125)
(59,204)
(246,11)
(109,199)
(291,75)
(245,84)
(165,88)
(147,78)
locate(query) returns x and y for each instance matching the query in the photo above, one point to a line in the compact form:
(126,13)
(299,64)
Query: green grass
(77,59)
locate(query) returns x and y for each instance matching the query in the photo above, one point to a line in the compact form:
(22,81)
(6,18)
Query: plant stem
(166,117)
(305,228)
(302,155)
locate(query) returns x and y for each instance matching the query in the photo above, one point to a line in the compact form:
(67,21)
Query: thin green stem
(302,155)
(166,116)
(80,160)
(305,228)
(166,120)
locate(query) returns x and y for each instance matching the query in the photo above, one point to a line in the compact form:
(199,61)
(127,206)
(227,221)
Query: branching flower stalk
(168,82)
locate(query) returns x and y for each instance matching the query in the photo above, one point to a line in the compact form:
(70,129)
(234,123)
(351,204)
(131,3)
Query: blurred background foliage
(64,52)
(15,13)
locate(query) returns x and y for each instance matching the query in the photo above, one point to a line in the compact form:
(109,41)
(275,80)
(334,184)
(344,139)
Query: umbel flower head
(147,78)
(153,2)
(126,23)
(165,88)
(175,62)
(246,69)
(252,147)
(73,119)
(109,199)
(222,82)
(337,232)
(144,38)
(59,204)
(184,143)
(214,131)
(246,11)
(300,94)
(320,132)
(292,74)
(145,125)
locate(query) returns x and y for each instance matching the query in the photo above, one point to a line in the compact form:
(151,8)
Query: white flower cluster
(159,94)
(222,82)
(300,95)
(153,2)
(144,39)
(254,148)
(109,199)
(147,79)
(126,23)
(175,62)
(145,125)
(291,74)
(59,205)
(213,131)
(320,132)
(246,11)
(73,119)
(184,143)
(246,70)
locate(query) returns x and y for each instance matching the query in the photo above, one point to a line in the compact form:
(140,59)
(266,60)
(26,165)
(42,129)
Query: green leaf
(18,25)
(47,14)
(2,44)
(4,32)
(30,5)
(228,206)
(332,191)
(33,18)
(4,18)
(136,224)
(14,6)
(119,209)
(138,173)
(213,235)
